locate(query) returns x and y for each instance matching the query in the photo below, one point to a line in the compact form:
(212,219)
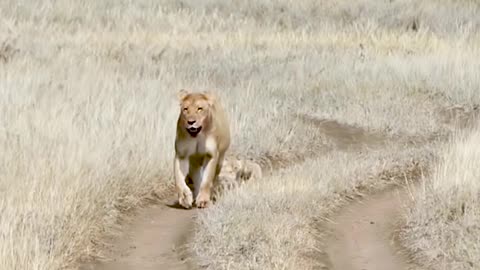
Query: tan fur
(199,156)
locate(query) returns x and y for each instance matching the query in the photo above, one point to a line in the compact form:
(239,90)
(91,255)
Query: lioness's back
(223,127)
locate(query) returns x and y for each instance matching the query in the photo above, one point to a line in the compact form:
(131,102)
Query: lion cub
(203,137)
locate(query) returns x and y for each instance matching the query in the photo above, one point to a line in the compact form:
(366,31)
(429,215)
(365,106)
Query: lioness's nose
(191,122)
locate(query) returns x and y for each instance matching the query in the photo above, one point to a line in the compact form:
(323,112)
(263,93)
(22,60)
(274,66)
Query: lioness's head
(195,114)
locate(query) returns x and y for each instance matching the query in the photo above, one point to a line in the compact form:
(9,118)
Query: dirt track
(154,241)
(362,234)
(360,239)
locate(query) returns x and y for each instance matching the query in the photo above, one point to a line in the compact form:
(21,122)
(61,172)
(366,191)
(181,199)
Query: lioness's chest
(199,146)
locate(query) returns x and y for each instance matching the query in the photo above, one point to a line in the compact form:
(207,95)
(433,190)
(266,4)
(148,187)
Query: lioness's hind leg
(190,182)
(196,173)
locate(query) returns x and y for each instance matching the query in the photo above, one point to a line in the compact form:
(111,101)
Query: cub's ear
(211,97)
(182,94)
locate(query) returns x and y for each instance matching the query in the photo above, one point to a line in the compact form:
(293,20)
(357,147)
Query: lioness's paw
(202,200)
(185,199)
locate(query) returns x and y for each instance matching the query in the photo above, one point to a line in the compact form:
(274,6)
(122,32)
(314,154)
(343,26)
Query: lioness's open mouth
(193,131)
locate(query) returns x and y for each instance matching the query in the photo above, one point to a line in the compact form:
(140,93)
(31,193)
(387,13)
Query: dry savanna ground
(88,108)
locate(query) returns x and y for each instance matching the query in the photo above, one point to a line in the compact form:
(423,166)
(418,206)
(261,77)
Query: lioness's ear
(211,97)
(182,93)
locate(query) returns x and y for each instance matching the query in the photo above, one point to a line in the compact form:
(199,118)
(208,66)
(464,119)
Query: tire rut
(154,240)
(158,236)
(362,235)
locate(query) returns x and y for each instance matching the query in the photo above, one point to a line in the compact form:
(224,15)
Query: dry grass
(442,228)
(88,107)
(276,223)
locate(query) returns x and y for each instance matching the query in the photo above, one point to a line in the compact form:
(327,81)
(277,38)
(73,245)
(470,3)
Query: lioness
(203,137)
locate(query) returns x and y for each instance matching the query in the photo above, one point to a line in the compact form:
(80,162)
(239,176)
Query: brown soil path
(157,237)
(362,234)
(155,240)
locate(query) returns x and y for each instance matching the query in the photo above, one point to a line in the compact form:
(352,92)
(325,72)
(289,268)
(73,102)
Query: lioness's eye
(185,109)
(200,109)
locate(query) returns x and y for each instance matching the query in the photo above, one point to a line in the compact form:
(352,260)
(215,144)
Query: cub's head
(195,111)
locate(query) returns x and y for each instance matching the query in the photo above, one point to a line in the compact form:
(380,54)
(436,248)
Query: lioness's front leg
(184,193)
(209,172)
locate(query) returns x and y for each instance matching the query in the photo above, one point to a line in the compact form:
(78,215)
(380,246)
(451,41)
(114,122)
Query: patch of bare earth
(154,240)
(363,234)
(157,236)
